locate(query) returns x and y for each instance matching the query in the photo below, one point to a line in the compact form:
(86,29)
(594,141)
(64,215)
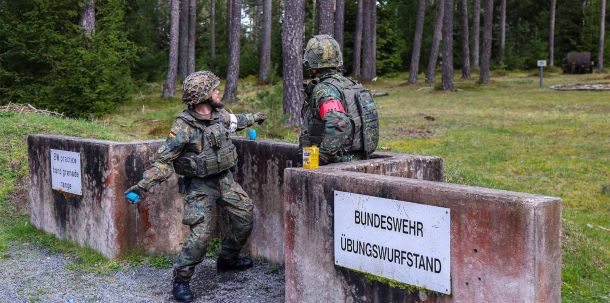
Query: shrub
(45,60)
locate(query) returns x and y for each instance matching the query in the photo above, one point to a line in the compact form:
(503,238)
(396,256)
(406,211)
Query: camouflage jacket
(182,135)
(336,126)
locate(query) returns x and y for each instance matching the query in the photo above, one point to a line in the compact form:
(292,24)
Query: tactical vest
(217,152)
(362,111)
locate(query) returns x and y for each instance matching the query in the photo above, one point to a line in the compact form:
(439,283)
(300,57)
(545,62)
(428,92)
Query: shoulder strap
(190,120)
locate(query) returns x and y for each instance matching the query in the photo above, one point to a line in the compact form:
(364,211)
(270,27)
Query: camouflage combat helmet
(322,51)
(198,87)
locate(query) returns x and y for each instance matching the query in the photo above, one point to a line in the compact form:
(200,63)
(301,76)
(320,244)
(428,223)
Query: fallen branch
(28,109)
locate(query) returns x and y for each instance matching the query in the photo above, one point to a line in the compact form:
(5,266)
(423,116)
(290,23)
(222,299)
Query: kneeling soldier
(199,148)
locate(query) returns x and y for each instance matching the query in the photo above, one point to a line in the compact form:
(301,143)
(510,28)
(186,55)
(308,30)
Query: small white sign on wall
(398,240)
(66,171)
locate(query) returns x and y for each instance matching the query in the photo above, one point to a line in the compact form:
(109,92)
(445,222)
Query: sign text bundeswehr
(66,171)
(398,240)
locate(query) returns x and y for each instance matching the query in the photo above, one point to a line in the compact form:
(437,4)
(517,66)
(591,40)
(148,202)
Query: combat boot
(182,292)
(223,265)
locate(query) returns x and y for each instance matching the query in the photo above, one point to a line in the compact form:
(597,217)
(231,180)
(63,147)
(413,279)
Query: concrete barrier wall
(103,220)
(505,246)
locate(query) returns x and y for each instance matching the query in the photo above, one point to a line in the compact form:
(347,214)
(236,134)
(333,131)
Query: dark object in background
(578,63)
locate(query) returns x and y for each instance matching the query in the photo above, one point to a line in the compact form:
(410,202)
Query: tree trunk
(552,33)
(369,37)
(230,94)
(436,41)
(502,29)
(487,31)
(169,87)
(292,52)
(339,21)
(265,55)
(257,21)
(602,36)
(192,36)
(325,17)
(184,38)
(229,16)
(87,20)
(419,31)
(213,34)
(374,38)
(465,42)
(448,46)
(476,33)
(357,62)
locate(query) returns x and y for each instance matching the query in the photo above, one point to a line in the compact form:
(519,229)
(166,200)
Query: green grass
(515,136)
(509,135)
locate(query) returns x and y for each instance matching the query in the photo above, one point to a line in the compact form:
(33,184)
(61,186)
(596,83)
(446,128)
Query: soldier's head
(200,87)
(322,52)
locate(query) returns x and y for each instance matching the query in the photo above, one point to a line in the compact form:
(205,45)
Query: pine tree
(230,94)
(339,21)
(192,36)
(602,36)
(448,46)
(476,33)
(552,33)
(465,42)
(292,48)
(213,34)
(265,53)
(357,60)
(436,41)
(487,32)
(325,17)
(87,20)
(169,86)
(417,40)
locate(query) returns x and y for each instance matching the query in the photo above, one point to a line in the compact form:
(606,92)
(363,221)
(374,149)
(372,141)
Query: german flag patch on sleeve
(172,135)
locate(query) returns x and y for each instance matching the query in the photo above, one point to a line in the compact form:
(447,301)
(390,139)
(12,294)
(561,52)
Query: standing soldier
(339,115)
(199,148)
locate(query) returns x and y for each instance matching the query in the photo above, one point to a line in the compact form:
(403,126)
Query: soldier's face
(216,101)
(216,96)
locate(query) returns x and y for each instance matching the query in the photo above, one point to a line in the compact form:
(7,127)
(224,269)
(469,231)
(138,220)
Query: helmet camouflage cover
(198,87)
(322,51)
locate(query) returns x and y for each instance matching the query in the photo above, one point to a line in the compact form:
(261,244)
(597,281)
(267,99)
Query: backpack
(362,111)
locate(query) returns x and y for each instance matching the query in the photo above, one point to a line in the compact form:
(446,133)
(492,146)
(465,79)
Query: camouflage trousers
(207,201)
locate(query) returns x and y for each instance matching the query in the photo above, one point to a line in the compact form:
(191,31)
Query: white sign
(541,63)
(398,240)
(66,171)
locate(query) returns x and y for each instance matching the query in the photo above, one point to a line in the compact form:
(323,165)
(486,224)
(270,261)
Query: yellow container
(311,157)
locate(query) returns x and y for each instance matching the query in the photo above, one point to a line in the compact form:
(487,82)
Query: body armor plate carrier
(362,111)
(218,152)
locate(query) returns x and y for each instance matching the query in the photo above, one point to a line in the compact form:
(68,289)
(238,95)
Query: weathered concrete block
(103,220)
(505,246)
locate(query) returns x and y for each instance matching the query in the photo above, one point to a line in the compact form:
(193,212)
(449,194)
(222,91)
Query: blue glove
(132,197)
(133,194)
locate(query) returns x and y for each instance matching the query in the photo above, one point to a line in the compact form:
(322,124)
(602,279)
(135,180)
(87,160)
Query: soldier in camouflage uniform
(198,147)
(326,119)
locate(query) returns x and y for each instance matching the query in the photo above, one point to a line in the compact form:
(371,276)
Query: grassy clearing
(515,136)
(508,135)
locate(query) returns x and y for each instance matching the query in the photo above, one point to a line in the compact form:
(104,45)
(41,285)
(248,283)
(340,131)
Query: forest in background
(84,57)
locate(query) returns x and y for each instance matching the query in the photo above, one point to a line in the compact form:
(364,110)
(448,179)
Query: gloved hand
(260,117)
(134,194)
